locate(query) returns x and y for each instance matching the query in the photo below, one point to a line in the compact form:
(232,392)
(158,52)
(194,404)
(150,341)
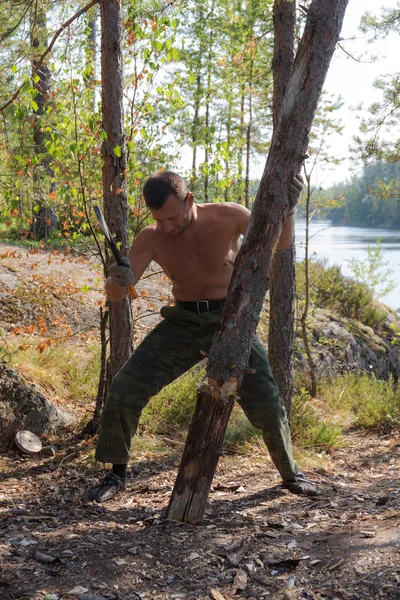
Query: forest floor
(256,541)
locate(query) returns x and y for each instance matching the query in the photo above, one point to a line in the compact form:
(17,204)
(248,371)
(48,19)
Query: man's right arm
(140,256)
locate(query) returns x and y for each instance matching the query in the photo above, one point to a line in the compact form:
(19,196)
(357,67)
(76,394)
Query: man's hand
(294,193)
(122,275)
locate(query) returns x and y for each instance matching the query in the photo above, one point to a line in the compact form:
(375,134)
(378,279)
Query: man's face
(175,216)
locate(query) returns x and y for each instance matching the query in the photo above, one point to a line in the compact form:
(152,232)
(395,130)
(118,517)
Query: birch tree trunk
(232,342)
(283,272)
(114,171)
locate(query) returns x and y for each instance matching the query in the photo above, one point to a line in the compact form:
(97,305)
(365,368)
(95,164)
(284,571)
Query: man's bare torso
(195,245)
(199,261)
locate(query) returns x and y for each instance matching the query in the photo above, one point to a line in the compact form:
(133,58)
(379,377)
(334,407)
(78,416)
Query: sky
(354,80)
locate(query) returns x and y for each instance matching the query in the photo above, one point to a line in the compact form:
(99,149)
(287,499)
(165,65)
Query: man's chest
(182,257)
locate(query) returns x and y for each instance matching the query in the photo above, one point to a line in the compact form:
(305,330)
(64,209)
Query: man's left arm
(287,234)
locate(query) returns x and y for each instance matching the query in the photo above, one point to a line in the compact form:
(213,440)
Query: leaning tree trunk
(230,350)
(114,171)
(283,272)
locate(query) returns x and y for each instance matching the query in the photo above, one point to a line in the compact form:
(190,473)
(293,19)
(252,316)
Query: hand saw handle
(113,247)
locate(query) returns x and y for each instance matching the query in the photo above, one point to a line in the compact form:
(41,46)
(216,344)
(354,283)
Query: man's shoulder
(146,236)
(228,215)
(225,209)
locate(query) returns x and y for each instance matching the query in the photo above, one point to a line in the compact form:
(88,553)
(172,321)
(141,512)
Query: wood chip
(240,582)
(216,594)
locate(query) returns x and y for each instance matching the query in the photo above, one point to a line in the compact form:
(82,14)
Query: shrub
(331,289)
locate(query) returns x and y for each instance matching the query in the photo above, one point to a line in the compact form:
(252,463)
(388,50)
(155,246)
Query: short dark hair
(161,185)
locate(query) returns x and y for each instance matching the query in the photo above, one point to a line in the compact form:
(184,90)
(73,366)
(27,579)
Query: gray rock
(341,344)
(22,406)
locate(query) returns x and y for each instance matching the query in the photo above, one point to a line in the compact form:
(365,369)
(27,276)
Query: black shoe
(300,485)
(111,485)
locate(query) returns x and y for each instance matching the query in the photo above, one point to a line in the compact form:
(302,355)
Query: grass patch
(171,410)
(60,371)
(371,403)
(311,429)
(316,424)
(240,432)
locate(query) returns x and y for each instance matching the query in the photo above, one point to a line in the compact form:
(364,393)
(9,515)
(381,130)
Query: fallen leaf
(240,582)
(78,589)
(235,552)
(193,556)
(216,594)
(120,562)
(24,543)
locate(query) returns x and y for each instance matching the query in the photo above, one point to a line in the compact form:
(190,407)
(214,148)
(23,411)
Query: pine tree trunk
(228,191)
(114,171)
(232,342)
(44,219)
(283,271)
(248,143)
(195,126)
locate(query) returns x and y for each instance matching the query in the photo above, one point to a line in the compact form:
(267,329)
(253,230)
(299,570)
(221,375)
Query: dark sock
(120,470)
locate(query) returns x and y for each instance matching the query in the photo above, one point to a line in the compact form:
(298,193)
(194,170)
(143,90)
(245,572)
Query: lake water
(339,244)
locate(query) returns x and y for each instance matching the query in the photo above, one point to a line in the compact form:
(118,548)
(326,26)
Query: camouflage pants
(169,350)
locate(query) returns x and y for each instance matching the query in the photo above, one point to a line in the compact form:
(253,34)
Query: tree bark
(283,272)
(195,126)
(114,171)
(248,140)
(93,426)
(44,221)
(304,316)
(232,342)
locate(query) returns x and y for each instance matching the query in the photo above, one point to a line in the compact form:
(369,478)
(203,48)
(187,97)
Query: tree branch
(49,49)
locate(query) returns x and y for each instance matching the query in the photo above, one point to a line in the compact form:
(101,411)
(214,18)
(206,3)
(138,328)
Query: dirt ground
(257,541)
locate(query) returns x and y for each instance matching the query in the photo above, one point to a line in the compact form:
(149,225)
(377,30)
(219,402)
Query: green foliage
(378,139)
(226,82)
(372,403)
(342,294)
(370,271)
(311,429)
(51,146)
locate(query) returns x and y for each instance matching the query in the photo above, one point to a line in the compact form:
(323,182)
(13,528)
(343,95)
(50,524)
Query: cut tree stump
(200,456)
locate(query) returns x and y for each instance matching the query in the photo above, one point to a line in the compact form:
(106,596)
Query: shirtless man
(196,246)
